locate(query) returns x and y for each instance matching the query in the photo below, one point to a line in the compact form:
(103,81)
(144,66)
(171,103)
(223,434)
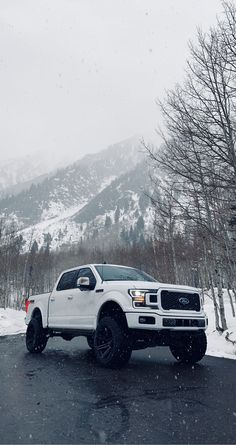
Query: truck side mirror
(83,282)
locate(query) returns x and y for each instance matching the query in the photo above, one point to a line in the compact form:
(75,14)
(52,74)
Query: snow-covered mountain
(18,174)
(102,194)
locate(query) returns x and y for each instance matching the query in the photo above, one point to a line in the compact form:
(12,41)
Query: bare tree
(199,146)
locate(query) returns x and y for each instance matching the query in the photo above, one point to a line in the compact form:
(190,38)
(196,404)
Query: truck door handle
(52,299)
(70,297)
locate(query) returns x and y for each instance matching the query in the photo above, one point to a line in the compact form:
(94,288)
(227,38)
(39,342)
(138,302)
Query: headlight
(138,296)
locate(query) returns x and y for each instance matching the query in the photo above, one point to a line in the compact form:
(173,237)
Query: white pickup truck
(118,309)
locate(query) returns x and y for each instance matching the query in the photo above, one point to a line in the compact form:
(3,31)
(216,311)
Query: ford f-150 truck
(118,309)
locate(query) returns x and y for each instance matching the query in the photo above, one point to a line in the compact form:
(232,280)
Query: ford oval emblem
(184,300)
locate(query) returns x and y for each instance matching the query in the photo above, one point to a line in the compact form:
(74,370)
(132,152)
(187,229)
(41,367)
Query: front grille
(153,298)
(180,301)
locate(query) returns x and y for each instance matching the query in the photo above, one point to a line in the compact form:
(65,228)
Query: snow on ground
(218,346)
(12,322)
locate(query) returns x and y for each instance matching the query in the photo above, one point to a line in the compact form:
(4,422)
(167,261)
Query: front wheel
(111,344)
(90,341)
(191,349)
(36,339)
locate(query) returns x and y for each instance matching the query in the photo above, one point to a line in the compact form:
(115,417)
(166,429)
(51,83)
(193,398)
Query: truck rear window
(68,280)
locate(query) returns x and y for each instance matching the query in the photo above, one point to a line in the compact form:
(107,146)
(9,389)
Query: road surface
(63,396)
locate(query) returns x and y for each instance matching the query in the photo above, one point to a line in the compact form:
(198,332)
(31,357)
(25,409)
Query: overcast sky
(78,75)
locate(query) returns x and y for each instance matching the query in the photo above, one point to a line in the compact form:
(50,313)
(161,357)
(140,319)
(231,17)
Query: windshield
(116,273)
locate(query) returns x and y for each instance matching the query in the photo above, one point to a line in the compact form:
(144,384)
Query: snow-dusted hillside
(79,201)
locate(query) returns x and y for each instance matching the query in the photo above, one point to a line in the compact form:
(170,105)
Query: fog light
(146,320)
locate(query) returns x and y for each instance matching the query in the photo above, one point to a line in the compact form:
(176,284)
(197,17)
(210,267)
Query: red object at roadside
(27,303)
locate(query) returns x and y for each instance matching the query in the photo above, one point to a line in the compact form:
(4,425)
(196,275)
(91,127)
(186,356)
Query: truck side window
(68,280)
(86,272)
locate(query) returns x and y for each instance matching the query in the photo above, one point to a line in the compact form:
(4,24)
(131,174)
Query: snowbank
(218,346)
(12,322)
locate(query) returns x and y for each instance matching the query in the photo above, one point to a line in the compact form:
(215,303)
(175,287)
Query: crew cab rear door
(60,308)
(73,307)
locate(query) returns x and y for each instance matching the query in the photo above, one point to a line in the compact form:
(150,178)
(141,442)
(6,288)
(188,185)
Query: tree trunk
(217,320)
(231,301)
(221,300)
(176,276)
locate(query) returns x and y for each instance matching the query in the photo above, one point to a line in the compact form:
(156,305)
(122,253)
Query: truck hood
(147,285)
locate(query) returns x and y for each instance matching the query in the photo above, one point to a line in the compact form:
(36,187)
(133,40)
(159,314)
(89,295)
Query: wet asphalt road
(63,396)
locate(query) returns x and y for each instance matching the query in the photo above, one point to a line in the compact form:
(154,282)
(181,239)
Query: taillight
(27,303)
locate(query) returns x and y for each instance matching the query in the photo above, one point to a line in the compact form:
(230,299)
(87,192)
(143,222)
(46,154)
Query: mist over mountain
(20,173)
(101,194)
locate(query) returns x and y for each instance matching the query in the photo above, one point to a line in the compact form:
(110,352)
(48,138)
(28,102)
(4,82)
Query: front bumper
(154,321)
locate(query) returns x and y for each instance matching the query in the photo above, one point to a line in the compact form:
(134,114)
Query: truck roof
(94,265)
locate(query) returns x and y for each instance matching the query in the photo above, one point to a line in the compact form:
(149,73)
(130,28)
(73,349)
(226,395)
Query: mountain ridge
(76,202)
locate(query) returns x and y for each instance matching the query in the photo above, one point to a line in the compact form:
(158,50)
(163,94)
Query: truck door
(60,309)
(83,302)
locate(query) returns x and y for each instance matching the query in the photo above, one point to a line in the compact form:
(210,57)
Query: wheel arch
(113,309)
(37,314)
(39,311)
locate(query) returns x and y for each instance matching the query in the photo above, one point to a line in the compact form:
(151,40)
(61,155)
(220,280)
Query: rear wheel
(191,349)
(111,343)
(36,339)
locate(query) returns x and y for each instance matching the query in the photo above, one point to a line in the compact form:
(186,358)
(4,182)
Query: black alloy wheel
(90,341)
(111,343)
(36,339)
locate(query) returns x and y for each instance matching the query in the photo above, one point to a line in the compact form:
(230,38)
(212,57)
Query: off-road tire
(192,349)
(67,337)
(90,341)
(111,343)
(36,339)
